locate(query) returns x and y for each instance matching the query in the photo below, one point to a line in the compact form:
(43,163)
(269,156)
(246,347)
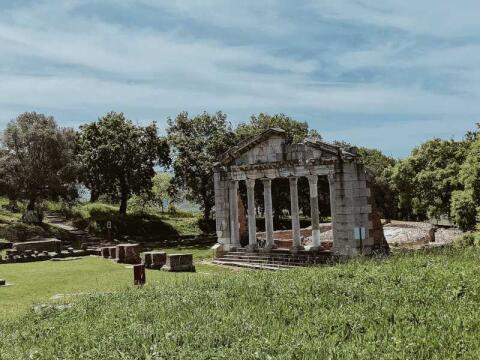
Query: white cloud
(431,17)
(55,58)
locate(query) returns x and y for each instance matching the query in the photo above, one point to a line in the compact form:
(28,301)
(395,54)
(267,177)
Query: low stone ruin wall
(14,256)
(283,238)
(50,245)
(130,254)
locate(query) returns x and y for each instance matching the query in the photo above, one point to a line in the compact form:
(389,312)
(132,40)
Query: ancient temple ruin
(269,156)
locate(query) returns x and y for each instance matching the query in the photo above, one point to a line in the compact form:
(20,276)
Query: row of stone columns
(267,193)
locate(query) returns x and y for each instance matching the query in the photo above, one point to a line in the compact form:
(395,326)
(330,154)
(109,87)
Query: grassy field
(37,282)
(410,306)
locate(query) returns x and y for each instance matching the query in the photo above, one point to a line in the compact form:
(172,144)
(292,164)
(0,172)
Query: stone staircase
(278,259)
(77,236)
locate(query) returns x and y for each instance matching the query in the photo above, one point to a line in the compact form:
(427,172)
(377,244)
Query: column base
(316,237)
(312,248)
(268,248)
(252,247)
(297,248)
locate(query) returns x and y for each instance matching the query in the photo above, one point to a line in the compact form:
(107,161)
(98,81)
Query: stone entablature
(268,156)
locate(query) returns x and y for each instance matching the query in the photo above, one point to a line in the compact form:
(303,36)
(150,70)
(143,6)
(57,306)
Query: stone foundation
(51,245)
(155,259)
(13,256)
(179,262)
(128,254)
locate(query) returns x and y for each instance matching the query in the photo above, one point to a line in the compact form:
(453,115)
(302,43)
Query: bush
(464,210)
(468,240)
(19,231)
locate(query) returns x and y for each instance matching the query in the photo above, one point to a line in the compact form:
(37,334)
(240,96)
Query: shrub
(19,231)
(464,210)
(468,240)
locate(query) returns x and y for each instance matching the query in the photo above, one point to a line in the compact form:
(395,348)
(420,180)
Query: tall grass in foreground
(411,306)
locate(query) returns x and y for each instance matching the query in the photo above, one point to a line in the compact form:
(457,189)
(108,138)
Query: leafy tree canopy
(470,170)
(158,197)
(36,159)
(296,130)
(118,157)
(197,142)
(425,180)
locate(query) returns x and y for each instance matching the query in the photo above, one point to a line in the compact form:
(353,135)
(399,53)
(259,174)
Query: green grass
(6,216)
(37,282)
(410,306)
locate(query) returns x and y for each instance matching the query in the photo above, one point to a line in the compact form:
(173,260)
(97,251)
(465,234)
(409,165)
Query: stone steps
(253,266)
(253,260)
(274,260)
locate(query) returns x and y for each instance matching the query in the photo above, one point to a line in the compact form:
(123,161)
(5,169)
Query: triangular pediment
(267,147)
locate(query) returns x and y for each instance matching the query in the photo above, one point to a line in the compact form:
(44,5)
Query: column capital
(312,179)
(331,178)
(250,183)
(267,182)
(293,180)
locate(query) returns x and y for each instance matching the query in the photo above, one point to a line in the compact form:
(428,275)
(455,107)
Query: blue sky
(386,74)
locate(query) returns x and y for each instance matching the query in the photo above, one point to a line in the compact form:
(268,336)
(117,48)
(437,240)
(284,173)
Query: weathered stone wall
(351,209)
(53,245)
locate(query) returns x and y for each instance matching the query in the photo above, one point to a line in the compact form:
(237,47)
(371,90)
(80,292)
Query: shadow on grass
(136,224)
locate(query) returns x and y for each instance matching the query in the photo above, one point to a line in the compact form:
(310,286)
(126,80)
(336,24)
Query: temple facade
(268,156)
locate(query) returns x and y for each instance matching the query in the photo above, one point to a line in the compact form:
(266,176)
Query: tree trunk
(31,204)
(207,209)
(123,203)
(93,196)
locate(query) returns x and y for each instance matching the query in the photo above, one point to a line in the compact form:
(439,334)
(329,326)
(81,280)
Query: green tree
(37,160)
(196,145)
(296,130)
(426,180)
(470,170)
(157,197)
(118,157)
(464,210)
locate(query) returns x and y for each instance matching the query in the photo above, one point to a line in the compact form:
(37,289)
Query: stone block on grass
(113,252)
(155,259)
(179,262)
(128,254)
(105,252)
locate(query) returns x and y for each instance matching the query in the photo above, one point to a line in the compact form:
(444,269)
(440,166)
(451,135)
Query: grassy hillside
(411,306)
(148,223)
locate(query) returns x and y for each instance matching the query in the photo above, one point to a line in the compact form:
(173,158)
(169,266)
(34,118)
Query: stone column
(314,213)
(234,225)
(252,226)
(267,196)
(294,213)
